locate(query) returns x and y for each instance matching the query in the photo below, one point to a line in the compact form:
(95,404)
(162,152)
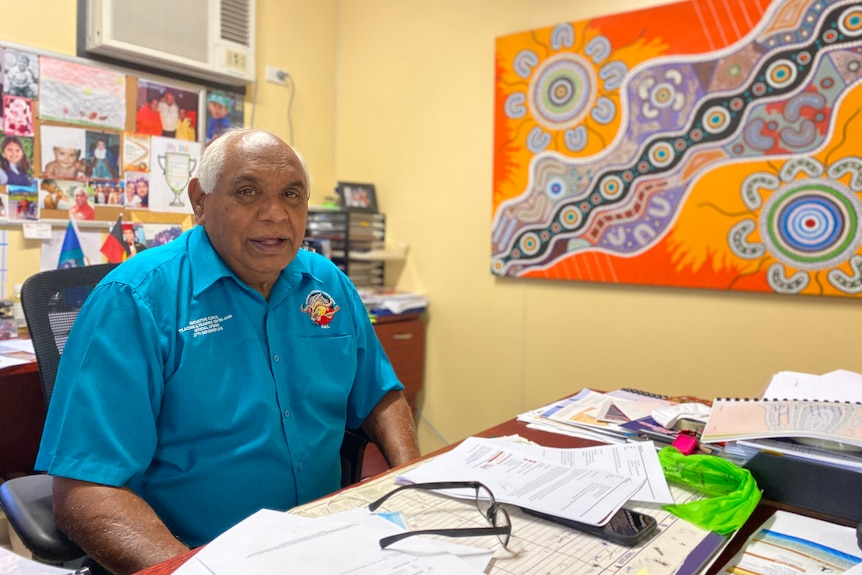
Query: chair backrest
(51,300)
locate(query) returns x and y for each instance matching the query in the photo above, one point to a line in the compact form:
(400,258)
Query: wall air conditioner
(206,39)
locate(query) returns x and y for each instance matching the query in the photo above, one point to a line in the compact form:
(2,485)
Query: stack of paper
(789,543)
(594,415)
(587,485)
(385,301)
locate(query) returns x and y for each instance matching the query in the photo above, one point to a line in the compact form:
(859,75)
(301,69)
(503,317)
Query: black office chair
(51,302)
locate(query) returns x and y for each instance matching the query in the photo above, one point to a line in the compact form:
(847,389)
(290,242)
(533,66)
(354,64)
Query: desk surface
(550,440)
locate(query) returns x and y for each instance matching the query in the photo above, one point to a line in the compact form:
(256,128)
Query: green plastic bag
(732,490)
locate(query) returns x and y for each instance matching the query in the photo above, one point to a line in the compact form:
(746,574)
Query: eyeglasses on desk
(501,524)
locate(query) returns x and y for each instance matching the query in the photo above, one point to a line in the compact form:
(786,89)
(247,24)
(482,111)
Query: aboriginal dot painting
(709,143)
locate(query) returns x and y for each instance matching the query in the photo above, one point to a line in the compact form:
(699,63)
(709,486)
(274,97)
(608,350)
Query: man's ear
(197,197)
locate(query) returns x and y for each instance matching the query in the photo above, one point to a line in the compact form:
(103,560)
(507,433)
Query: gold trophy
(178,168)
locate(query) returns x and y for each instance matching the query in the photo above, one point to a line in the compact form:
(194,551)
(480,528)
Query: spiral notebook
(834,424)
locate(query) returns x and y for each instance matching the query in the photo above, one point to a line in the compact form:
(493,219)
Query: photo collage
(89,143)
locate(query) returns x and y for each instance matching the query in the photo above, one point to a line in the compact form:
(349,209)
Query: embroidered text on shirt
(205,325)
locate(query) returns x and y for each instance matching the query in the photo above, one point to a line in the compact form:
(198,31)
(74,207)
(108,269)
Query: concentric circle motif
(556,228)
(661,154)
(781,73)
(585,207)
(643,167)
(696,135)
(661,95)
(516,254)
(497,264)
(611,187)
(716,120)
(830,36)
(545,235)
(628,176)
(737,104)
(679,144)
(555,188)
(570,217)
(803,58)
(827,83)
(738,149)
(561,91)
(850,22)
(596,199)
(530,244)
(758,89)
(812,224)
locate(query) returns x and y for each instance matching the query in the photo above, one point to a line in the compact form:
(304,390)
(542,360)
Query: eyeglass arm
(461,532)
(428,486)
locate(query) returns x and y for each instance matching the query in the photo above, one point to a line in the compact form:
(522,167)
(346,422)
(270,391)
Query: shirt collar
(208,267)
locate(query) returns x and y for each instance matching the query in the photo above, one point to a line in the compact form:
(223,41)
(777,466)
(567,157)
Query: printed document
(272,542)
(790,543)
(638,459)
(589,495)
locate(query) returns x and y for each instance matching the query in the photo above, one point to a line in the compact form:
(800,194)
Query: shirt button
(275,358)
(287,413)
(300,466)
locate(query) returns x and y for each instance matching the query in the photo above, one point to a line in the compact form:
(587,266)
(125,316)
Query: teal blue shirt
(210,402)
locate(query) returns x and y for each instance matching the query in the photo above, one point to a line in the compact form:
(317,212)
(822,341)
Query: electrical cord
(434,429)
(292,86)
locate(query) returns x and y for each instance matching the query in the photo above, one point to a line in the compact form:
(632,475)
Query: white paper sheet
(586,495)
(790,543)
(271,542)
(638,459)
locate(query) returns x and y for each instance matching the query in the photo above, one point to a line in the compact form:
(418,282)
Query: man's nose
(273,208)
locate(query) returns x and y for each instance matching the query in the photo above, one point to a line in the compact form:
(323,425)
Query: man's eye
(245,191)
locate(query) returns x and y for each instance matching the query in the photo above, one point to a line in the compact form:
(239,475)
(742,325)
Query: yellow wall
(415,97)
(400,93)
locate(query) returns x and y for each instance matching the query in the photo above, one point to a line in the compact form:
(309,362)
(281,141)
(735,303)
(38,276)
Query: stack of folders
(799,415)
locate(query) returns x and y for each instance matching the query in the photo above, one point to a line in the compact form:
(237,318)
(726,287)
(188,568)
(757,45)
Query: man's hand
(114,526)
(390,426)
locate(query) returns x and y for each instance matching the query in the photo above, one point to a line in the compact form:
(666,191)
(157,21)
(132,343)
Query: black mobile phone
(626,527)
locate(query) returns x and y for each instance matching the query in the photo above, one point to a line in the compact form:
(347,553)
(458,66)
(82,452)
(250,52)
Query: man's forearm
(390,426)
(113,525)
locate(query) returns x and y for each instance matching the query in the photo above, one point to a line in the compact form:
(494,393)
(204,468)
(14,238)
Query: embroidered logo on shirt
(205,325)
(320,307)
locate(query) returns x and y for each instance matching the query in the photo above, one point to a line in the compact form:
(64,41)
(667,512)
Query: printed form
(561,487)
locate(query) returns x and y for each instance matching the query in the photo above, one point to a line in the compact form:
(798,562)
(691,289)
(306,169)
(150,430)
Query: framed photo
(355,197)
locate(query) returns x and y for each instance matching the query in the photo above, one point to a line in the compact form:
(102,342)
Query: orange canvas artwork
(708,144)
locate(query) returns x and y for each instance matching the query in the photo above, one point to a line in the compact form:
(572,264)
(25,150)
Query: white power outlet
(276,75)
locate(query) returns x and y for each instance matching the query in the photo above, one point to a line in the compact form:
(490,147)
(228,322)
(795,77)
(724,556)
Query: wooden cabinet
(403,339)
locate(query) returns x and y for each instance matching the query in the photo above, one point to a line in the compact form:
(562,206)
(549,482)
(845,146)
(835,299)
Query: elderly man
(213,376)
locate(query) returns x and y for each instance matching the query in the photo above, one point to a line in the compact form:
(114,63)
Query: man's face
(256,215)
(169,99)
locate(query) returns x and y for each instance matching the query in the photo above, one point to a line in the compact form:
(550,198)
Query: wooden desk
(22,415)
(763,511)
(507,428)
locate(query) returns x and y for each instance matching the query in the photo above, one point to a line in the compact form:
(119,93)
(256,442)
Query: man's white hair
(215,154)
